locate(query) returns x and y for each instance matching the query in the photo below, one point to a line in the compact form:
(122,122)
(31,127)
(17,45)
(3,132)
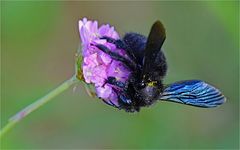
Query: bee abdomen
(136,43)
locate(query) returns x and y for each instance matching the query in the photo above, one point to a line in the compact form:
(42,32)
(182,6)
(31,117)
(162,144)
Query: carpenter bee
(148,67)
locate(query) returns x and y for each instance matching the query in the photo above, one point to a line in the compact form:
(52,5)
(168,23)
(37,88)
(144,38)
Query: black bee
(148,67)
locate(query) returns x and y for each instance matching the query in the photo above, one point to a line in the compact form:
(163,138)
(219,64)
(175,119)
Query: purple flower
(98,66)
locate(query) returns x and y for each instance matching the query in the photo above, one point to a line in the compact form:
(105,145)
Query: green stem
(37,104)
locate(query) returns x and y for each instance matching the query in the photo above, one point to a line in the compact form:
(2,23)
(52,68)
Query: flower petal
(97,65)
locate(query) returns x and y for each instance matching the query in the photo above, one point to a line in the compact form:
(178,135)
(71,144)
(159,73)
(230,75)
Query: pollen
(96,35)
(152,83)
(117,70)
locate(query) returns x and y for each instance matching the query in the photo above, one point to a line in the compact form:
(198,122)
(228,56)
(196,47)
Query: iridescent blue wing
(193,92)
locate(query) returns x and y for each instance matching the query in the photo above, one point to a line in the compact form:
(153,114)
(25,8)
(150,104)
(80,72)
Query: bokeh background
(38,43)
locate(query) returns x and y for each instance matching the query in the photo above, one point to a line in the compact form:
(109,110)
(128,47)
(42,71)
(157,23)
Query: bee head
(149,91)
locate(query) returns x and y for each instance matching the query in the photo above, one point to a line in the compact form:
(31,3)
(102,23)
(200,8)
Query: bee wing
(193,92)
(154,43)
(155,39)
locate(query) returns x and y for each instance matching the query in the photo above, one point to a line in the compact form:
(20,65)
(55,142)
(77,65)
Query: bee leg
(131,65)
(120,44)
(127,103)
(123,87)
(119,84)
(124,100)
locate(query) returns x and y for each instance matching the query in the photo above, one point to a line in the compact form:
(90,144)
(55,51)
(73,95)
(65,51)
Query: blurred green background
(38,43)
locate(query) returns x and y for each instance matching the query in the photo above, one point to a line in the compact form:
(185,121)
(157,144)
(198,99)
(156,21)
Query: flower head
(97,66)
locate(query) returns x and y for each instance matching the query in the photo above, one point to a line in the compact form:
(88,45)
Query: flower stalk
(37,104)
